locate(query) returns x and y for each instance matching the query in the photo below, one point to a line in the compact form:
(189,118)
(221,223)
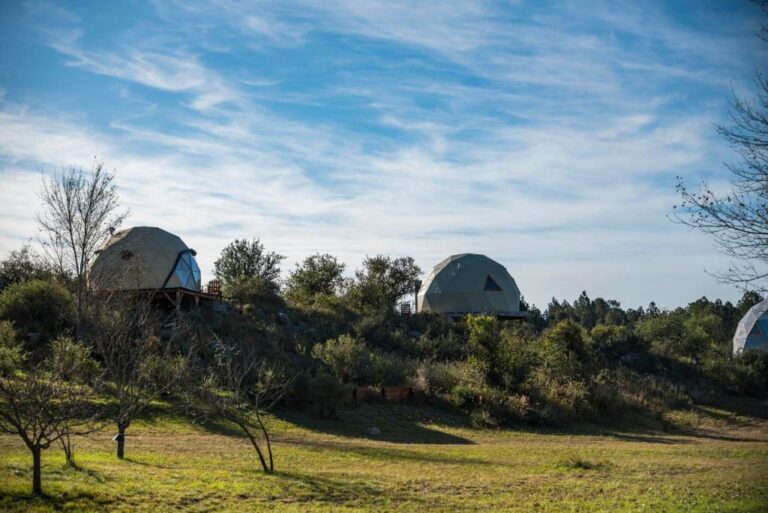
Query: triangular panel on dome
(491,285)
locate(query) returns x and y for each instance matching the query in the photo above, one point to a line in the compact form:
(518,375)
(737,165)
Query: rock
(414,334)
(374,431)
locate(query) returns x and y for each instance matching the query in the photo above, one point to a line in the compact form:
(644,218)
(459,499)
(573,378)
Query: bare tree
(74,362)
(80,210)
(240,387)
(139,367)
(42,402)
(738,218)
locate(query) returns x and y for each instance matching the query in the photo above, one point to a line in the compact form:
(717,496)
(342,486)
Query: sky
(546,135)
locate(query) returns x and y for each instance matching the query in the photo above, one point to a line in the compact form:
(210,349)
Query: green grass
(714,460)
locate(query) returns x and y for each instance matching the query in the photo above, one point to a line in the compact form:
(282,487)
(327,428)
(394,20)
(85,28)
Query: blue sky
(546,135)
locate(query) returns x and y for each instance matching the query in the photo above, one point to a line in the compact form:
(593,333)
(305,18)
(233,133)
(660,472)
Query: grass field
(706,460)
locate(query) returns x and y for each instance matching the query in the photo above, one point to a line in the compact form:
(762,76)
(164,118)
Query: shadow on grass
(314,488)
(403,424)
(57,502)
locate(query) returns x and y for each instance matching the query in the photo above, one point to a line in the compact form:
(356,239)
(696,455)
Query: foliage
(42,402)
(44,308)
(318,276)
(11,352)
(23,265)
(245,265)
(382,281)
(347,358)
(138,366)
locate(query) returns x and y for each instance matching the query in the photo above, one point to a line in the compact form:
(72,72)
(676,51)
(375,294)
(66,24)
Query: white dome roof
(752,331)
(469,283)
(145,257)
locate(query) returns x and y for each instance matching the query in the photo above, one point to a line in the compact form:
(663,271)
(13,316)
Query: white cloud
(549,160)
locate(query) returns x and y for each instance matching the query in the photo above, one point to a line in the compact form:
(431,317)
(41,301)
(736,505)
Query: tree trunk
(269,444)
(37,488)
(120,440)
(79,310)
(256,446)
(69,450)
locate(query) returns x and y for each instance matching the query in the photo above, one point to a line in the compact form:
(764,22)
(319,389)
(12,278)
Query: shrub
(613,342)
(11,352)
(250,290)
(516,358)
(571,397)
(346,356)
(389,369)
(565,351)
(322,394)
(37,306)
(746,374)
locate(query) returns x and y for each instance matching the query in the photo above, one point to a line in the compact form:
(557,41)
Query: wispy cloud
(545,136)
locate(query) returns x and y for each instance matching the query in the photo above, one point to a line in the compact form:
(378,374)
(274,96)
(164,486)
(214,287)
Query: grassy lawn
(711,460)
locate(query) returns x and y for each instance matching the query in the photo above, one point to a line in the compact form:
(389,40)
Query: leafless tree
(738,218)
(139,367)
(74,362)
(80,209)
(42,402)
(240,387)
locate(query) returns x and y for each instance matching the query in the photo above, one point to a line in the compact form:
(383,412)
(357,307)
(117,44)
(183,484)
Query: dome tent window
(188,271)
(491,285)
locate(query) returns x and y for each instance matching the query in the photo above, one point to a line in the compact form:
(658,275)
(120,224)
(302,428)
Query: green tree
(319,275)
(382,282)
(42,307)
(246,269)
(749,299)
(23,265)
(566,350)
(44,401)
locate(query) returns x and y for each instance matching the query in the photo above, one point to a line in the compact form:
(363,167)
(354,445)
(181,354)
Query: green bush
(745,374)
(11,352)
(250,290)
(612,342)
(571,397)
(347,357)
(565,351)
(390,369)
(516,359)
(42,307)
(321,393)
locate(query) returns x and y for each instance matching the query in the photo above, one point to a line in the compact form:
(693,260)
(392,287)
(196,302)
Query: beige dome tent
(145,258)
(468,283)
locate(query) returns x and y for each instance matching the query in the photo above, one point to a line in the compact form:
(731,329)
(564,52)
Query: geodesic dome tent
(145,258)
(752,331)
(469,283)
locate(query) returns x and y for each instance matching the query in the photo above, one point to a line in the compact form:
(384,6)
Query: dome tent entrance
(752,331)
(469,283)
